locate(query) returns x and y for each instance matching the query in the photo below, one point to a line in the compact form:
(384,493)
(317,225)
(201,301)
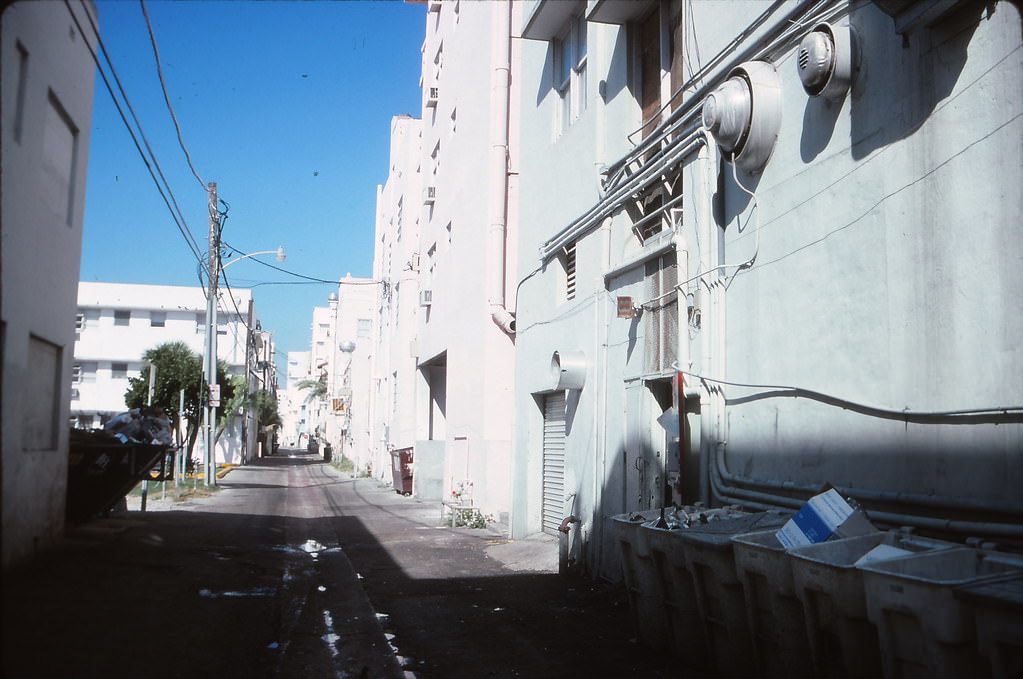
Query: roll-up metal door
(553,462)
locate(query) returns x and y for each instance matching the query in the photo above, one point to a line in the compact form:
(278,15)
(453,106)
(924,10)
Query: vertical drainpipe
(707,166)
(500,99)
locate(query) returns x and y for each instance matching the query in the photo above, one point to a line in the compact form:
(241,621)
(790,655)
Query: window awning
(618,11)
(548,18)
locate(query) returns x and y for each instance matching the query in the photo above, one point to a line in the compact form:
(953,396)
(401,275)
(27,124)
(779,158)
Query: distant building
(350,349)
(292,401)
(47,89)
(117,323)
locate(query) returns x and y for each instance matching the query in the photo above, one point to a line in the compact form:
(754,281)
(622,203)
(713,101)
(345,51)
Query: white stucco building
(751,300)
(350,351)
(292,401)
(117,323)
(397,264)
(47,91)
(464,346)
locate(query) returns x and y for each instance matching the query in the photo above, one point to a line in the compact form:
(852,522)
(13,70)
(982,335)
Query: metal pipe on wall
(500,99)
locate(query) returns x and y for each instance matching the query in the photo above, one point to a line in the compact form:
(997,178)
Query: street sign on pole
(214,395)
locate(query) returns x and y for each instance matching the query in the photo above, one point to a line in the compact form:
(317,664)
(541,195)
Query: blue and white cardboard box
(826,516)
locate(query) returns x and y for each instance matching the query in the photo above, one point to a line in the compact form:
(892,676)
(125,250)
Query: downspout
(708,170)
(500,100)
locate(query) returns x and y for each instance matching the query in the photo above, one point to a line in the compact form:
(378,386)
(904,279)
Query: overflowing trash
(825,516)
(141,425)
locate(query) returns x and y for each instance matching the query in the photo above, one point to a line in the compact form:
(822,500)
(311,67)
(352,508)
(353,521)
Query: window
(75,395)
(122,317)
(157,319)
(364,328)
(19,106)
(40,395)
(79,321)
(59,157)
(119,371)
(200,324)
(570,73)
(76,373)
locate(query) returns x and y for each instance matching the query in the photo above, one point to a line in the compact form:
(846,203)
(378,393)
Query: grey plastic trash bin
(674,583)
(775,614)
(719,596)
(645,606)
(843,641)
(998,614)
(923,629)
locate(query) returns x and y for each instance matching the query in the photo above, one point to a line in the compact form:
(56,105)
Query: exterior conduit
(497,235)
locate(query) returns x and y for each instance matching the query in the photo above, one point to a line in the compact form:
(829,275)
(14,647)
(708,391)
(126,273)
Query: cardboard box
(826,516)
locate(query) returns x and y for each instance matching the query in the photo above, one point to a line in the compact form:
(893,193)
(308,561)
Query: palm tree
(317,388)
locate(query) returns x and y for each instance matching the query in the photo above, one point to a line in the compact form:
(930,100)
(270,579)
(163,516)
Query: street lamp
(210,360)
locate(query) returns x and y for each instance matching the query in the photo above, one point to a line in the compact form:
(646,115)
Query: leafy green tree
(177,368)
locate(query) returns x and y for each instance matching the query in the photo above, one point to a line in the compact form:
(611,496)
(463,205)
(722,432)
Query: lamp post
(210,362)
(345,394)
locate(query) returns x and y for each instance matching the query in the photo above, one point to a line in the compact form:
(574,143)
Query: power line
(189,240)
(166,98)
(299,275)
(138,124)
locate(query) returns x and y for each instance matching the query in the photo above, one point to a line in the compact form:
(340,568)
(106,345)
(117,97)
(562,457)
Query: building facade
(397,264)
(464,343)
(116,323)
(765,247)
(47,90)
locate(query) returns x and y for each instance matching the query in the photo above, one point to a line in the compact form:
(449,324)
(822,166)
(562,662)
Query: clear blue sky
(286,106)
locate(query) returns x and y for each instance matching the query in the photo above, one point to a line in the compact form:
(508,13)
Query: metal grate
(661,336)
(570,272)
(553,502)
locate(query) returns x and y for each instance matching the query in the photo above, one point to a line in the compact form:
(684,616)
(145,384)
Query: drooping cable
(138,125)
(189,239)
(166,98)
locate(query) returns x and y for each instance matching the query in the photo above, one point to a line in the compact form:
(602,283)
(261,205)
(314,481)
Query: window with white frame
(157,319)
(119,371)
(76,373)
(570,72)
(122,317)
(365,325)
(80,321)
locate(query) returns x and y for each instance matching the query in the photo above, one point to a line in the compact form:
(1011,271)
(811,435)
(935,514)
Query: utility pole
(210,364)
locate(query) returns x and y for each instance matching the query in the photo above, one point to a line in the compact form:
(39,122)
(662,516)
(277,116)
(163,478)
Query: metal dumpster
(648,616)
(401,471)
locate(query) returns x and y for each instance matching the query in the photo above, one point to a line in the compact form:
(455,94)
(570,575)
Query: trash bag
(142,425)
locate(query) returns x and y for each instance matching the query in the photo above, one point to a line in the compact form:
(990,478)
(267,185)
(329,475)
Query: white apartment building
(47,89)
(397,264)
(292,401)
(321,339)
(351,348)
(763,247)
(464,341)
(116,323)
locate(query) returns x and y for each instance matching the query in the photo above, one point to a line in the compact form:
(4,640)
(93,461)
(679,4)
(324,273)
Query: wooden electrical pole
(210,363)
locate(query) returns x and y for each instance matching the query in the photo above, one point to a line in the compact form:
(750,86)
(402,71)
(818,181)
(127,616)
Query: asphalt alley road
(295,570)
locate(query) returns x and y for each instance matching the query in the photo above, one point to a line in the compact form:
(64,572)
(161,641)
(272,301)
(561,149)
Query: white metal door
(553,503)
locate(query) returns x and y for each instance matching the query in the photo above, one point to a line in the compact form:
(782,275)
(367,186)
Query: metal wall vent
(826,60)
(744,114)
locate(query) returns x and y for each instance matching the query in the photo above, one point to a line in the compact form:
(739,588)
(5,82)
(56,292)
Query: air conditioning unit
(425,297)
(432,95)
(433,5)
(429,195)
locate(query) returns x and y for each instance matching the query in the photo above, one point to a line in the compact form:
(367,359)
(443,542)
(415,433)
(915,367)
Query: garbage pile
(141,425)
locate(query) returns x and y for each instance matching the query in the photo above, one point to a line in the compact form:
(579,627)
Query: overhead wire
(163,190)
(299,275)
(166,97)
